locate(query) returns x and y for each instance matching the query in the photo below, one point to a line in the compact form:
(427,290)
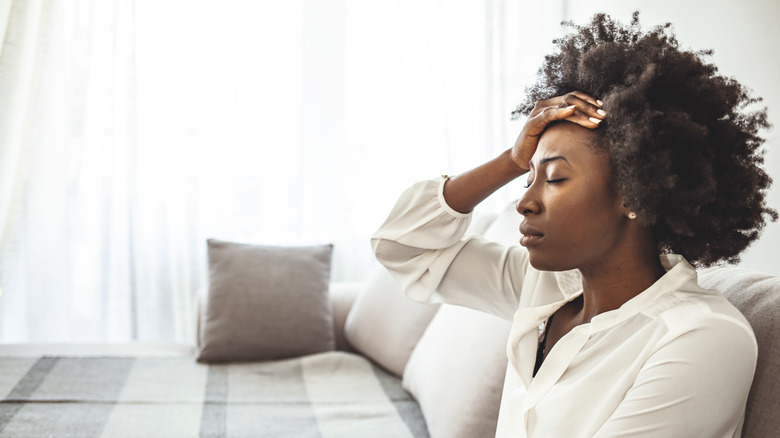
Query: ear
(625,210)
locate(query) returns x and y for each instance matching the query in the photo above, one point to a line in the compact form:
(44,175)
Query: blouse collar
(527,320)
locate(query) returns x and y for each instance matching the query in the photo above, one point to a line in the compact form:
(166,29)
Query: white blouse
(674,361)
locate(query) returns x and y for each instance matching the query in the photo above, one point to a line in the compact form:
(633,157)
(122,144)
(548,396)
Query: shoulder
(703,318)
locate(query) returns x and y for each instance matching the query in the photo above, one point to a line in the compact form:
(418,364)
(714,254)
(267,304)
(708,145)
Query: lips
(530,235)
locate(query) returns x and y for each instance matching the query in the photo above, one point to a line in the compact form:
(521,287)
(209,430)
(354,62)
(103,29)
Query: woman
(667,164)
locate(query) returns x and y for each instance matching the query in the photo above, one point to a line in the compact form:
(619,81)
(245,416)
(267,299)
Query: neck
(610,285)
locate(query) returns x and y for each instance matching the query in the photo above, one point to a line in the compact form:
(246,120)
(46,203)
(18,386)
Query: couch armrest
(342,296)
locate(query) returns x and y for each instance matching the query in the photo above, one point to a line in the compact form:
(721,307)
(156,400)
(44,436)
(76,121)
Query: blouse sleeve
(688,387)
(422,244)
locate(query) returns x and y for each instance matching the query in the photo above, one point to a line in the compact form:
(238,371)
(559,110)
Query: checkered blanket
(332,394)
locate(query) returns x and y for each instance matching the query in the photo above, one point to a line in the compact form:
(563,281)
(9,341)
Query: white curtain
(131,131)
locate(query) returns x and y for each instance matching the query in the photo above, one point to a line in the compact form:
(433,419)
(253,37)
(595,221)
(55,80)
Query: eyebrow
(548,159)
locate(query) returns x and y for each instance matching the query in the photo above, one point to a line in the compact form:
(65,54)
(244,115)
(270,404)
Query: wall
(746,41)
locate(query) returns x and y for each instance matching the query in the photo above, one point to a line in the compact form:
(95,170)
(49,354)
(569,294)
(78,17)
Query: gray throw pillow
(266,302)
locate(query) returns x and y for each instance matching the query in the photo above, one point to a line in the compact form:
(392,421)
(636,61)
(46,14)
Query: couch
(384,367)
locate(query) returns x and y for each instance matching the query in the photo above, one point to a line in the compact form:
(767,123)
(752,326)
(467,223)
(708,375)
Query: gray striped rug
(333,394)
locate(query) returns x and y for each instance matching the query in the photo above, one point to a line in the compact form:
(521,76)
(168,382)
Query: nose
(528,204)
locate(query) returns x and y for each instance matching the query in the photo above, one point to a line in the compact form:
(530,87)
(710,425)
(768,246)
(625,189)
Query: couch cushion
(383,324)
(456,372)
(342,298)
(332,394)
(757,296)
(266,302)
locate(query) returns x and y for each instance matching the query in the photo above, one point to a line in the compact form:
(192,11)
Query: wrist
(512,164)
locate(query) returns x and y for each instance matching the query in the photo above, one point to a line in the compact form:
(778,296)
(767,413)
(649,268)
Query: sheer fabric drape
(131,131)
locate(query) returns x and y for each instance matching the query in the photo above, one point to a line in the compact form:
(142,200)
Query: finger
(584,103)
(588,98)
(537,124)
(560,113)
(585,120)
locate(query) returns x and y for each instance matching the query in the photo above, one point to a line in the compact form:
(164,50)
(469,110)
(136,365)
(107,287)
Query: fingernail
(601,111)
(599,102)
(594,120)
(569,107)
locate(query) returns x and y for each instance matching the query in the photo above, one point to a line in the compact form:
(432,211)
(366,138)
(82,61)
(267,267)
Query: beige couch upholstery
(757,296)
(452,360)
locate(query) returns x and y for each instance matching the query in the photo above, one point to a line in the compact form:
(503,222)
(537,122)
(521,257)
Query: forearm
(422,244)
(465,191)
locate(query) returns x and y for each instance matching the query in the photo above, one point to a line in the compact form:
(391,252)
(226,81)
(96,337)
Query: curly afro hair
(683,141)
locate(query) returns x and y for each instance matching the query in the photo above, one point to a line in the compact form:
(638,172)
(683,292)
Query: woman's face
(572,216)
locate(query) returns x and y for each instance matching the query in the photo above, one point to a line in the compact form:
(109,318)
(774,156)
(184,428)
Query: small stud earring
(631,215)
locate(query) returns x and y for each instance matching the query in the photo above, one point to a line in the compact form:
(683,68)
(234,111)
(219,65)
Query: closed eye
(549,181)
